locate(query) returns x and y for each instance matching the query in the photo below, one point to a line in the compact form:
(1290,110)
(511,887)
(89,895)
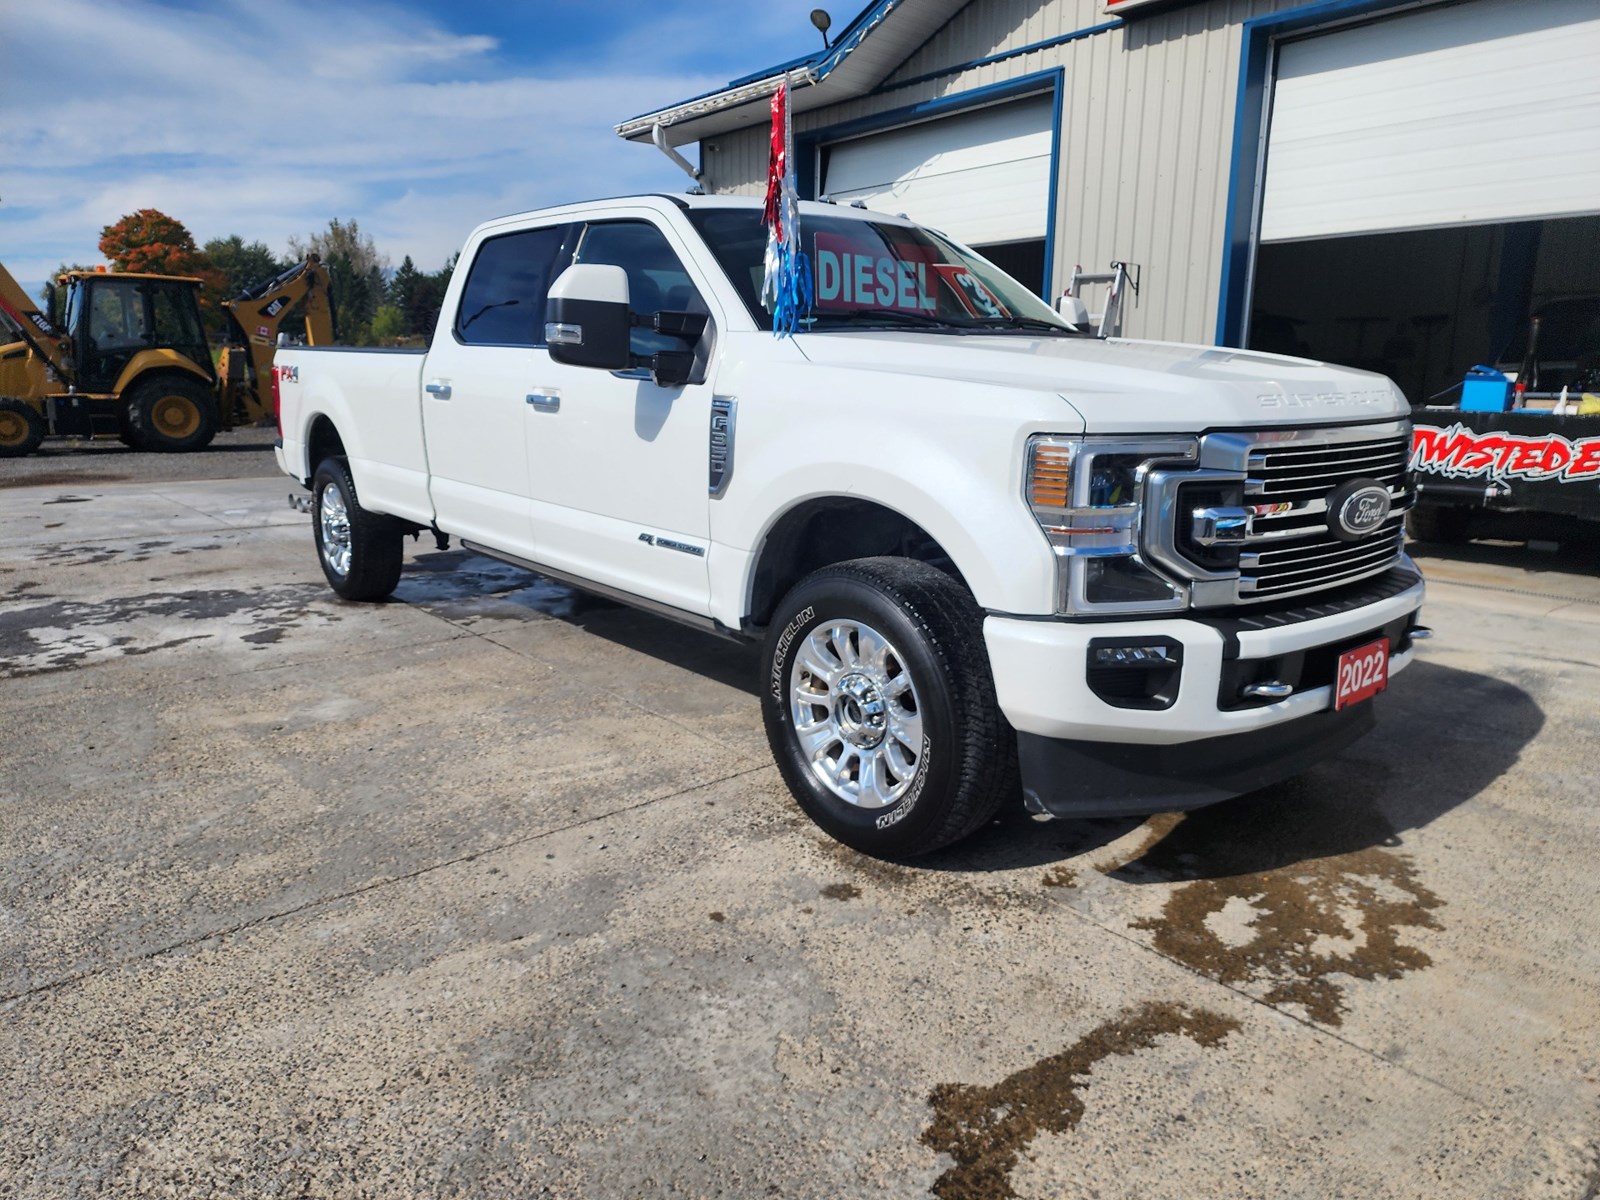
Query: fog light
(1132,656)
(1128,673)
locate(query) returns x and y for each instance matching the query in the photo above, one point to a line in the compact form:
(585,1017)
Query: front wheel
(21,429)
(880,707)
(360,551)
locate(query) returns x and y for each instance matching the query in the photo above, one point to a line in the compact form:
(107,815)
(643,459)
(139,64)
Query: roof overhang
(882,37)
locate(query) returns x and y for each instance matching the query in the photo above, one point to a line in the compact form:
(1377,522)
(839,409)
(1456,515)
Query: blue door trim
(1039,83)
(1249,144)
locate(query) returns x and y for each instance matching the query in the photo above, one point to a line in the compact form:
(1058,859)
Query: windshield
(868,275)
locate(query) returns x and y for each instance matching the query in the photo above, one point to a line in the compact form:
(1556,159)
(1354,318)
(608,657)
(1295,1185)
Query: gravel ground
(235,454)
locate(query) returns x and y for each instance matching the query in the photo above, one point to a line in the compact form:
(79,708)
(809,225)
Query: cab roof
(129,275)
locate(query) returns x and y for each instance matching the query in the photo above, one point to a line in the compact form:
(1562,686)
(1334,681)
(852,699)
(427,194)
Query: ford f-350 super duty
(988,556)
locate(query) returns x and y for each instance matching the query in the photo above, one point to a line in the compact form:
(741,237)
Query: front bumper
(1204,739)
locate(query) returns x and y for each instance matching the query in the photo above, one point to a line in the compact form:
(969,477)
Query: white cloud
(268,120)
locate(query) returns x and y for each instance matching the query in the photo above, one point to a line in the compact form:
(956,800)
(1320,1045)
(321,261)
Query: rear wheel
(171,413)
(21,429)
(360,551)
(880,707)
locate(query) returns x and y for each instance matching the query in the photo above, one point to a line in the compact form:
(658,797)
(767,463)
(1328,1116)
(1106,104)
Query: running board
(693,620)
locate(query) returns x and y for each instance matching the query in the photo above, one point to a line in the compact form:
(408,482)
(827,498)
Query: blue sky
(418,119)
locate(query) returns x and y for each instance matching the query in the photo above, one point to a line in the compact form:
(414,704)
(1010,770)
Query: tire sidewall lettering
(780,650)
(902,810)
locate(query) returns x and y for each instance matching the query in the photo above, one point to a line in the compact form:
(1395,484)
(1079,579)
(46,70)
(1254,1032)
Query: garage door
(982,177)
(1472,113)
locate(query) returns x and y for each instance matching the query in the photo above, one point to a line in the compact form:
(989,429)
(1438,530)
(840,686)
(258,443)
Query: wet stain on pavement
(986,1129)
(1295,890)
(94,556)
(841,891)
(1302,928)
(1061,876)
(62,634)
(459,585)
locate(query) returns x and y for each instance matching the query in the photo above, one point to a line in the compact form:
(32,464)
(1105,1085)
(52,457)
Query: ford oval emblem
(1358,509)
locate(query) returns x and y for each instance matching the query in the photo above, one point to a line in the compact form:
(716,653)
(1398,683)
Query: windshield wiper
(1038,323)
(901,316)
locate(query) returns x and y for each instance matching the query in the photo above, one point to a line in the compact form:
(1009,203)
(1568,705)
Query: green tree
(54,297)
(388,324)
(403,284)
(243,264)
(427,297)
(356,271)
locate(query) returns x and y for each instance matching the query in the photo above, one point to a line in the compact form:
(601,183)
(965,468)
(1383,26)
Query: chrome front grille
(1252,524)
(1300,554)
(1312,563)
(1301,472)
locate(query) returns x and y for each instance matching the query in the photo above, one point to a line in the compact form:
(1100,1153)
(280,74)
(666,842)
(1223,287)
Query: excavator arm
(36,329)
(253,320)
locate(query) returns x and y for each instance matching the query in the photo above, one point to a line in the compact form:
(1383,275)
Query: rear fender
(146,361)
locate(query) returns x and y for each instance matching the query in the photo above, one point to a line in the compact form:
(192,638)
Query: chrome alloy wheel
(334,519)
(856,713)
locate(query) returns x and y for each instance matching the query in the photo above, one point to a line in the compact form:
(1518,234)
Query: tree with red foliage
(151,242)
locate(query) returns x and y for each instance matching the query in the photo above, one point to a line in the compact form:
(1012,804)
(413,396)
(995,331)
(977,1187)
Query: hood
(1122,386)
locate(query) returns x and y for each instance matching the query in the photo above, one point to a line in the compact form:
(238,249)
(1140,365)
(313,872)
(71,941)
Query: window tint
(175,310)
(177,319)
(656,278)
(502,303)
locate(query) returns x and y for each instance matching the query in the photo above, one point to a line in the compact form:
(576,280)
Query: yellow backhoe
(132,361)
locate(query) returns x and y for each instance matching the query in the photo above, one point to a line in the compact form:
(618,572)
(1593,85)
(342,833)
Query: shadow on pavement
(1443,736)
(1542,544)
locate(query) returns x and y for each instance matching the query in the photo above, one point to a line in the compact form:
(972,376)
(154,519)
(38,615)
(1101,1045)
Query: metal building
(1389,183)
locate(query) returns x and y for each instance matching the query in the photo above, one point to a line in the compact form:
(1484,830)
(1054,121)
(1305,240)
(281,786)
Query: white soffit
(861,60)
(1467,114)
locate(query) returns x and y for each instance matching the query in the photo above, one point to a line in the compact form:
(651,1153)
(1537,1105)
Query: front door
(619,466)
(117,328)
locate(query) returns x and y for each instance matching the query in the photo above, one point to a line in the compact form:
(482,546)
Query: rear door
(476,381)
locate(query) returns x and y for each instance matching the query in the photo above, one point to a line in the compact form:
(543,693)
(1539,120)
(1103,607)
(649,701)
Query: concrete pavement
(492,890)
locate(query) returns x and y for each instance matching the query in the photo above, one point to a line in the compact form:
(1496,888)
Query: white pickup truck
(989,556)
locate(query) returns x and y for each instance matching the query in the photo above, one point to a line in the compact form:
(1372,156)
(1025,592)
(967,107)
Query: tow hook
(299,503)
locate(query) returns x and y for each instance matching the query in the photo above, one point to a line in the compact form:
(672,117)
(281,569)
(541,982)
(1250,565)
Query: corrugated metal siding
(1146,138)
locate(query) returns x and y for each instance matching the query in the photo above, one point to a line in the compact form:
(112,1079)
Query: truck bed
(375,396)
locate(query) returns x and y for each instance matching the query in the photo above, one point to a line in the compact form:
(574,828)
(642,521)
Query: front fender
(945,455)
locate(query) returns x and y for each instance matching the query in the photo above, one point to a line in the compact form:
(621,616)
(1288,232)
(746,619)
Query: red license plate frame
(1361,674)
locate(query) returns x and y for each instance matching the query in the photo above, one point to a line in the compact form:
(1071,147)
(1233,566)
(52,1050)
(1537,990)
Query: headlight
(1087,495)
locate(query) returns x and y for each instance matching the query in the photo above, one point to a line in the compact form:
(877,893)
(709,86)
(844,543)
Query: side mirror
(1073,309)
(586,317)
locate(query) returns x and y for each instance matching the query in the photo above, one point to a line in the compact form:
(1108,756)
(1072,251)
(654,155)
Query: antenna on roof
(823,22)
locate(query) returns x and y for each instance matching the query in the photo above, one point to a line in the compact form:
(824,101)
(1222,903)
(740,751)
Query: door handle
(441,390)
(545,401)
